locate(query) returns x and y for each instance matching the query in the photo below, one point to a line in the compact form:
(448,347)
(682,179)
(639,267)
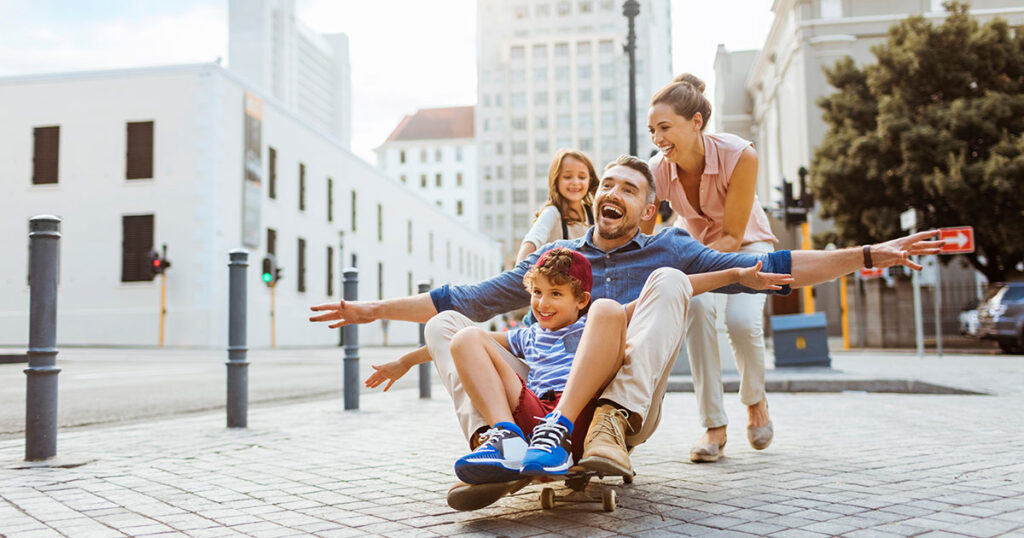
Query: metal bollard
(424,287)
(41,383)
(238,366)
(350,291)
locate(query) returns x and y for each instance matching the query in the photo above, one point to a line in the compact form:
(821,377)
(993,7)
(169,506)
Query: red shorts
(532,409)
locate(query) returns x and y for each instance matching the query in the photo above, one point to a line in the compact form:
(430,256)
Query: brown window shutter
(136,242)
(272,241)
(139,162)
(330,271)
(272,180)
(301,277)
(45,156)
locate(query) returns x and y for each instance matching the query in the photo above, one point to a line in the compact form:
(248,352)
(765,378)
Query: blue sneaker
(497,459)
(550,451)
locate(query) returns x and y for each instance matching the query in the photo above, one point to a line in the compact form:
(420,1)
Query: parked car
(968,318)
(1001,316)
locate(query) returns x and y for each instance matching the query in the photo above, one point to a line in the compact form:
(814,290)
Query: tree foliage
(937,124)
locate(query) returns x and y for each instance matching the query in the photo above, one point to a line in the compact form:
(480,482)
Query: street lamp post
(630,9)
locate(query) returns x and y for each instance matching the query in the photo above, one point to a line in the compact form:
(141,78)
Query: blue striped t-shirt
(548,353)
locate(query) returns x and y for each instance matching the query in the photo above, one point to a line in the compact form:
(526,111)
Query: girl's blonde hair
(555,198)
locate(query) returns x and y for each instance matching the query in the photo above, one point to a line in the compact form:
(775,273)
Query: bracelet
(867,256)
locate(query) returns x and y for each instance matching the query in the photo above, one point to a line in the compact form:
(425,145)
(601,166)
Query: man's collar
(588,239)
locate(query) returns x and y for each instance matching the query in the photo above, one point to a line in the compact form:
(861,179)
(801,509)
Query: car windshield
(1013,294)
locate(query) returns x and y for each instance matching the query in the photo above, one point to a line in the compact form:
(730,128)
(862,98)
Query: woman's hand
(390,372)
(753,278)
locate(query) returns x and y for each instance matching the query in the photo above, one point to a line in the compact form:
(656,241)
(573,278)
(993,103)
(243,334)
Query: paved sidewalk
(842,464)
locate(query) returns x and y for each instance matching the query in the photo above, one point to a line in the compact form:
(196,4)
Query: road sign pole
(163,305)
(938,310)
(918,324)
(805,244)
(845,306)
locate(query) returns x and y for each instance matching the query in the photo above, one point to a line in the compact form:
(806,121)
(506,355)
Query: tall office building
(553,74)
(270,48)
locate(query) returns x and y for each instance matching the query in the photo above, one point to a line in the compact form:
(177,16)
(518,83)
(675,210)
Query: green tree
(936,125)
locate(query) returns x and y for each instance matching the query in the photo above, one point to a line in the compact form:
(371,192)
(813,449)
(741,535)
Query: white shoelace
(549,433)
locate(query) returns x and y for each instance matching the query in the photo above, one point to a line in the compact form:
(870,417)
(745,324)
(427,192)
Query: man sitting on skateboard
(627,265)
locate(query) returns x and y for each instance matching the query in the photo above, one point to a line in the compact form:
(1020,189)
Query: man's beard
(614,233)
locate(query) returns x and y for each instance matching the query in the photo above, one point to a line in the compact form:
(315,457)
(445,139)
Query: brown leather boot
(604,450)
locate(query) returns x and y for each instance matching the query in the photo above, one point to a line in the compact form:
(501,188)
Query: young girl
(567,214)
(710,179)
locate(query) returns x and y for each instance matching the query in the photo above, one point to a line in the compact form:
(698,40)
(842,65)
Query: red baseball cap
(578,269)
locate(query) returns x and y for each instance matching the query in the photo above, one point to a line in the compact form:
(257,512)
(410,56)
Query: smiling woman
(710,180)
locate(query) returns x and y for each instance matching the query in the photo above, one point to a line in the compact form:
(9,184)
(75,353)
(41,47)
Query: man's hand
(898,251)
(345,313)
(389,372)
(753,278)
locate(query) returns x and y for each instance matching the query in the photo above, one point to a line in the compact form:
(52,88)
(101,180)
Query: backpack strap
(565,230)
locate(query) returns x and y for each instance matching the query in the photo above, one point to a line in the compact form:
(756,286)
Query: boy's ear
(584,300)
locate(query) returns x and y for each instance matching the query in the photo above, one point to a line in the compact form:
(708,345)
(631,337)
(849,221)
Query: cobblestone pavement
(842,464)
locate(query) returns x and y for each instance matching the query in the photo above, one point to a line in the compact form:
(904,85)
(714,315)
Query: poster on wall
(253,166)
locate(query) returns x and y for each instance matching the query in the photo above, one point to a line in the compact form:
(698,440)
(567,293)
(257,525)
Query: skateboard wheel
(608,500)
(547,498)
(627,479)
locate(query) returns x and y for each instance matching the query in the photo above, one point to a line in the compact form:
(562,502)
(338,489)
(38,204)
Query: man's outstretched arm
(415,308)
(810,267)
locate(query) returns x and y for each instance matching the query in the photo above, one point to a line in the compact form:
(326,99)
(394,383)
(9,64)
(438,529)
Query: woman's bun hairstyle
(685,94)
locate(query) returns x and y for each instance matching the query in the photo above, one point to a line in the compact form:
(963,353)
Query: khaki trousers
(653,338)
(744,322)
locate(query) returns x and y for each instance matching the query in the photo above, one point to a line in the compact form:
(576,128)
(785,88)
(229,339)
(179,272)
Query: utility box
(800,340)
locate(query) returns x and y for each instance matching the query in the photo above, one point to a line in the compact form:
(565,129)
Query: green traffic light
(267,277)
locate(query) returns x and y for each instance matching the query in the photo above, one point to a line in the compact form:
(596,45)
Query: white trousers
(744,322)
(653,338)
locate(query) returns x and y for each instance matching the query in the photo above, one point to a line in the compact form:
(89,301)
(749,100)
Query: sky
(405,54)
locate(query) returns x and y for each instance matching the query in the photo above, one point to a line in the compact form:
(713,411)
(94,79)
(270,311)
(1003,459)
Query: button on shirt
(619,274)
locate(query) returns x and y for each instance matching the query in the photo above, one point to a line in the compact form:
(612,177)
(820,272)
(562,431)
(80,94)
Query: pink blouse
(721,153)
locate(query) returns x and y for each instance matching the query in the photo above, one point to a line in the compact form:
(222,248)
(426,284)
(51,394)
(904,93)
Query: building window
(330,200)
(380,223)
(353,210)
(330,271)
(271,172)
(831,9)
(499,172)
(499,197)
(139,162)
(488,222)
(408,279)
(458,179)
(607,72)
(586,6)
(437,155)
(519,196)
(607,5)
(520,221)
(517,99)
(583,49)
(586,144)
(301,276)
(408,236)
(136,242)
(518,124)
(423,180)
(540,122)
(499,149)
(517,76)
(518,171)
(586,121)
(562,97)
(401,156)
(541,170)
(403,178)
(541,10)
(583,72)
(564,122)
(45,154)
(437,180)
(561,50)
(458,153)
(564,9)
(430,244)
(272,241)
(488,197)
(519,147)
(517,53)
(500,222)
(608,95)
(540,99)
(521,11)
(302,187)
(541,146)
(458,207)
(585,95)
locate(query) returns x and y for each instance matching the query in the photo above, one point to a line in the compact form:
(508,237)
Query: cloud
(198,34)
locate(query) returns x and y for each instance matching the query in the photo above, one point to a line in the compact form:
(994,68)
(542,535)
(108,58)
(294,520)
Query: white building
(776,100)
(553,74)
(307,72)
(433,154)
(193,157)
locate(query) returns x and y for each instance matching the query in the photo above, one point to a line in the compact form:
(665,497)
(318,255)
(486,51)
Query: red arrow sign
(959,240)
(874,272)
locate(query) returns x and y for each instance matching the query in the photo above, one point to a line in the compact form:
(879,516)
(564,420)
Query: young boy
(559,285)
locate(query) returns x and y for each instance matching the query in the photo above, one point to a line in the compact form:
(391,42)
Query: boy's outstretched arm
(392,371)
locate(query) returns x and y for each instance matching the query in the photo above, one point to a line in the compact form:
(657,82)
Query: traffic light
(157,264)
(269,270)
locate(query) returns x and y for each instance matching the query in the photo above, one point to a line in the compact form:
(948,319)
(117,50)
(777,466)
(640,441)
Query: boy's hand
(753,278)
(390,372)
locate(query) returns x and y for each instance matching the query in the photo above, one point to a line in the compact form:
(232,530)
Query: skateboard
(577,480)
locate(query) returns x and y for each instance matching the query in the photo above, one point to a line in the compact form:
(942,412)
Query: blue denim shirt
(619,274)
